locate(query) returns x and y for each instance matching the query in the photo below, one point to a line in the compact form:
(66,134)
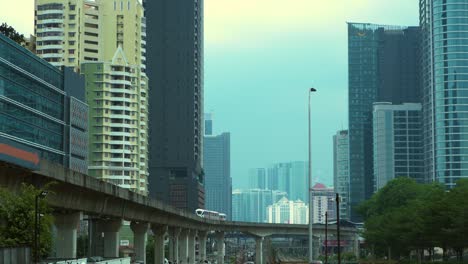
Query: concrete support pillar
(139,240)
(191,246)
(259,250)
(111,237)
(66,225)
(159,232)
(174,233)
(202,237)
(356,246)
(183,246)
(220,246)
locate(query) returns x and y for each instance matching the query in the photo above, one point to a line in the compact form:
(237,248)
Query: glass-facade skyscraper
(382,67)
(444,25)
(398,149)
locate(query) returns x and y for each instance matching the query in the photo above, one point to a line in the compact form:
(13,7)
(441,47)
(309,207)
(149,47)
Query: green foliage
(17,219)
(405,216)
(150,249)
(10,32)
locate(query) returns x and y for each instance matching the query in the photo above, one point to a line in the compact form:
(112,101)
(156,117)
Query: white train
(213,215)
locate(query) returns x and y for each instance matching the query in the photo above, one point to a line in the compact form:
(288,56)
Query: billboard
(19,154)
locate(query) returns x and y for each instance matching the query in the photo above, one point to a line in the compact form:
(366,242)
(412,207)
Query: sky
(261,56)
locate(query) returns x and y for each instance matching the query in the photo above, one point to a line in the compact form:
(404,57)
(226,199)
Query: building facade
(323,200)
(105,41)
(288,212)
(42,108)
(445,65)
(341,170)
(251,205)
(217,167)
(175,68)
(398,149)
(382,67)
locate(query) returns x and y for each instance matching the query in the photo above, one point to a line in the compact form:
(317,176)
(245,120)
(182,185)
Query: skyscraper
(217,167)
(257,178)
(341,170)
(105,41)
(323,200)
(290,177)
(397,143)
(288,212)
(382,67)
(175,67)
(445,65)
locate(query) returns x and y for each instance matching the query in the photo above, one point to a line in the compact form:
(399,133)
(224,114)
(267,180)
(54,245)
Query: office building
(341,170)
(398,150)
(105,41)
(251,205)
(444,66)
(323,200)
(290,177)
(217,167)
(257,178)
(42,108)
(383,66)
(288,212)
(175,68)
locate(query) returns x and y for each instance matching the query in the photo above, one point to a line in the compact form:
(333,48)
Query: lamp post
(338,226)
(41,195)
(326,237)
(311,210)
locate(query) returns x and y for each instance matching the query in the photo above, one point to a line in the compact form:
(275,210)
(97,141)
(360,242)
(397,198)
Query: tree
(10,32)
(458,217)
(17,219)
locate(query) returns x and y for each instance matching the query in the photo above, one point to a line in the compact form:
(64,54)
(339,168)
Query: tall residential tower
(105,41)
(175,68)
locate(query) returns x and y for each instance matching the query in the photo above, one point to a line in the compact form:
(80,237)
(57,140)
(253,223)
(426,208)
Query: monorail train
(213,215)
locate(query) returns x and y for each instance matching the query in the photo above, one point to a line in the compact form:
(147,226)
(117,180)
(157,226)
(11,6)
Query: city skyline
(226,56)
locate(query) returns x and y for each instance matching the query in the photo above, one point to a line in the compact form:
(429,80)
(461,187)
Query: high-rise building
(175,68)
(257,178)
(383,67)
(323,200)
(288,212)
(290,177)
(398,150)
(444,68)
(341,170)
(105,41)
(42,109)
(251,205)
(217,167)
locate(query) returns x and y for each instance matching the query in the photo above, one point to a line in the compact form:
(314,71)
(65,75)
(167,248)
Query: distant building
(288,212)
(341,170)
(257,178)
(251,205)
(398,149)
(323,200)
(42,108)
(217,167)
(383,65)
(175,68)
(290,177)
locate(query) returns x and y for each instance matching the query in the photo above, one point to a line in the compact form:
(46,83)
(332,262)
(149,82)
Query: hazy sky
(260,58)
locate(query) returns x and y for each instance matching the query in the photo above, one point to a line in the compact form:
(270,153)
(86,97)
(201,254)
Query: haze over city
(260,58)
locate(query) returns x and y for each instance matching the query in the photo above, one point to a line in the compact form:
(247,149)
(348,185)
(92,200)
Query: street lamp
(338,226)
(326,237)
(311,210)
(41,195)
